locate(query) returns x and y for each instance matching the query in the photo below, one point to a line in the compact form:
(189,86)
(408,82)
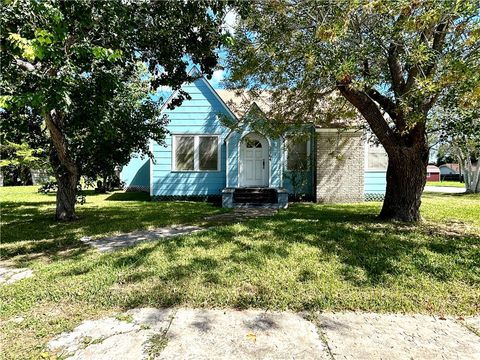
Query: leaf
(25,45)
(5,101)
(251,337)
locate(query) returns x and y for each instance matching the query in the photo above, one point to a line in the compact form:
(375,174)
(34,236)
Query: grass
(446,183)
(309,257)
(28,226)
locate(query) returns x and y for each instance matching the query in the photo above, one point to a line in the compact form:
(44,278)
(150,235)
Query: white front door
(254,161)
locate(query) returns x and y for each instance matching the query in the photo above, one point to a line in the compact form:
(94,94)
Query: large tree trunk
(407,153)
(66,171)
(66,197)
(406,176)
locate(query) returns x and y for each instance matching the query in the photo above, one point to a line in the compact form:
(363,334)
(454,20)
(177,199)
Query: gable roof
(242,116)
(196,72)
(240,101)
(451,166)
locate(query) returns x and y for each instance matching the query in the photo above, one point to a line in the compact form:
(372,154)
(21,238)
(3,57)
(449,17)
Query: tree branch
(398,82)
(25,65)
(59,142)
(438,42)
(370,111)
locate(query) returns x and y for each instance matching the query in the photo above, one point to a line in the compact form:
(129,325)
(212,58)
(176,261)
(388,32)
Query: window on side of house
(377,158)
(208,152)
(195,153)
(297,154)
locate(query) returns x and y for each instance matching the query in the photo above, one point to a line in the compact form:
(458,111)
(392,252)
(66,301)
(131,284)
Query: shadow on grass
(318,251)
(29,227)
(366,254)
(129,196)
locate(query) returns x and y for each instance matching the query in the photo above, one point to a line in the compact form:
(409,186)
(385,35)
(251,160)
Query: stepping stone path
(9,275)
(114,243)
(252,334)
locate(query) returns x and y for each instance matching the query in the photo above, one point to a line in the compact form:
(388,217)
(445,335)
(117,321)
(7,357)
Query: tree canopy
(393,61)
(86,70)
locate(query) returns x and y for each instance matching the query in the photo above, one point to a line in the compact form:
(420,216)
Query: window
(184,153)
(377,158)
(208,152)
(297,154)
(251,144)
(195,153)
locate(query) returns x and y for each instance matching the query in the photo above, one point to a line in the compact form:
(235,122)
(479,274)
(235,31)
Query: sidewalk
(252,334)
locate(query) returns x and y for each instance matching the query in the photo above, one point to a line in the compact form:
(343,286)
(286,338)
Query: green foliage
(456,126)
(21,154)
(88,72)
(405,54)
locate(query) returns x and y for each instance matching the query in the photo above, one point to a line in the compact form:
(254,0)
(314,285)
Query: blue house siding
(198,116)
(136,174)
(375,184)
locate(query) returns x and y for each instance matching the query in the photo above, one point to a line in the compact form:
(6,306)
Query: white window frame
(196,152)
(308,155)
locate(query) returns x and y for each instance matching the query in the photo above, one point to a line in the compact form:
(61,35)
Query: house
(214,151)
(450,169)
(433,173)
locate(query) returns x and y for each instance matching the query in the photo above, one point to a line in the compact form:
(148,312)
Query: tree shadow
(369,254)
(129,196)
(227,265)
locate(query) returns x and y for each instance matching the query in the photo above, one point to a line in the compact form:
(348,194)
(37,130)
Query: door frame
(265,144)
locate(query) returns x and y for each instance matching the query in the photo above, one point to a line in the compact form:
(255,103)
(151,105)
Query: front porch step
(255,196)
(274,198)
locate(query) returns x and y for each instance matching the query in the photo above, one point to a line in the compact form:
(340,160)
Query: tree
(456,121)
(22,146)
(444,154)
(392,61)
(76,64)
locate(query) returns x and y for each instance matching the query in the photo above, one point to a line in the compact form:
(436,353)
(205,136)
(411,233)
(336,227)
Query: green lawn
(446,183)
(309,257)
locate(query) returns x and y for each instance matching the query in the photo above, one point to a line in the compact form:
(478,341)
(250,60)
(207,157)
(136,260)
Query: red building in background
(433,173)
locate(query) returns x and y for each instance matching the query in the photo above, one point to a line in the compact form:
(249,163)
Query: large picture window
(195,153)
(297,154)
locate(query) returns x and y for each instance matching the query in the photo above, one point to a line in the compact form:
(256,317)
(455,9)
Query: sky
(218,76)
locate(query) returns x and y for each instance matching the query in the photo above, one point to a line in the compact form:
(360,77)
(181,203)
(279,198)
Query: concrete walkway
(117,242)
(9,275)
(252,334)
(133,238)
(445,189)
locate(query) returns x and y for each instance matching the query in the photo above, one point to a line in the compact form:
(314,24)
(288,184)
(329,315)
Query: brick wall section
(340,167)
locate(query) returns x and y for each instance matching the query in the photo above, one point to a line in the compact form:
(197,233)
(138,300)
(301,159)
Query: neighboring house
(433,173)
(205,158)
(450,169)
